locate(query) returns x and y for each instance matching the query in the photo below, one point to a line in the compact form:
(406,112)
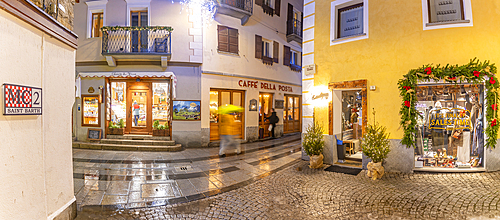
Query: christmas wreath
(474,72)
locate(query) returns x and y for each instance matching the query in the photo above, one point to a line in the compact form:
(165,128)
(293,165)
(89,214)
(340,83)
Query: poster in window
(445,10)
(351,22)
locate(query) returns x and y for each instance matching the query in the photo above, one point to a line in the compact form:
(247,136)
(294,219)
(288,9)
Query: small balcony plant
(159,129)
(313,145)
(376,146)
(116,128)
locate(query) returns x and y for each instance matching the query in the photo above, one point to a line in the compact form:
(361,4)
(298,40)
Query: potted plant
(376,146)
(116,129)
(160,130)
(313,145)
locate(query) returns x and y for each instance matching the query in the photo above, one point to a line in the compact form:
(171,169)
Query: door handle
(130,110)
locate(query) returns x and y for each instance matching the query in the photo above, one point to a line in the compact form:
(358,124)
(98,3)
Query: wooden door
(265,109)
(139,117)
(219,97)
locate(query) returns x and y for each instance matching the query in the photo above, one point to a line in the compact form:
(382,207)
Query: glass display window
(118,102)
(161,102)
(450,126)
(352,108)
(91,110)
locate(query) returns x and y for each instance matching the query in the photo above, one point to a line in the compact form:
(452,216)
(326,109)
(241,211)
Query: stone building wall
(63,14)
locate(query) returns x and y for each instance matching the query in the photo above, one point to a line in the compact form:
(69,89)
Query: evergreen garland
(474,72)
(134,28)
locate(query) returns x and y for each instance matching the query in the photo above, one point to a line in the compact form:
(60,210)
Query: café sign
(264,85)
(21,100)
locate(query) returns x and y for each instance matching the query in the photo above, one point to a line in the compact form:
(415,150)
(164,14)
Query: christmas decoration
(474,72)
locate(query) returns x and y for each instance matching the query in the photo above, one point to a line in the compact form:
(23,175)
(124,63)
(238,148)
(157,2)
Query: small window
(349,21)
(267,48)
(90,111)
(97,21)
(227,39)
(294,58)
(445,10)
(269,3)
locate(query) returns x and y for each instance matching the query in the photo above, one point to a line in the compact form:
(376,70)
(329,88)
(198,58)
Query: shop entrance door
(265,106)
(219,97)
(139,108)
(291,115)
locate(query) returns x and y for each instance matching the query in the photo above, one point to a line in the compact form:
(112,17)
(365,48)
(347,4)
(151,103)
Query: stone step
(138,137)
(118,147)
(138,142)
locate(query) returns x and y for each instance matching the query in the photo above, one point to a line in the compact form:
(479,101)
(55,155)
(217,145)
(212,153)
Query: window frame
(101,21)
(138,5)
(271,45)
(98,6)
(98,111)
(336,6)
(294,60)
(466,22)
(228,40)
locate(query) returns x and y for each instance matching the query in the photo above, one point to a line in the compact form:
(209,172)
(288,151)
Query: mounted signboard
(21,100)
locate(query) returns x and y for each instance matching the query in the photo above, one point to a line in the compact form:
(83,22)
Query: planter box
(163,132)
(116,131)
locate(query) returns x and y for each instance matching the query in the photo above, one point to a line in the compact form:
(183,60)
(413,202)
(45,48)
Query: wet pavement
(121,179)
(288,189)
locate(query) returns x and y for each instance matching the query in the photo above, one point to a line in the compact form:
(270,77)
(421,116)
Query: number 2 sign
(21,100)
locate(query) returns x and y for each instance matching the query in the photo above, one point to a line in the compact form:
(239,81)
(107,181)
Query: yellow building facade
(375,43)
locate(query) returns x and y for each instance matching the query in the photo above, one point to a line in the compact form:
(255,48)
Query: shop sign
(22,100)
(450,119)
(310,69)
(263,85)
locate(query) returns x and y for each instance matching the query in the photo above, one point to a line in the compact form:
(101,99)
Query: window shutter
(259,2)
(277,7)
(289,22)
(286,55)
(223,38)
(276,52)
(233,40)
(258,47)
(301,24)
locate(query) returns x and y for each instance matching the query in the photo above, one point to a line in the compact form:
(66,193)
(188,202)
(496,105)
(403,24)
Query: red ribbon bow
(428,70)
(477,73)
(453,78)
(407,104)
(493,122)
(494,107)
(492,81)
(407,87)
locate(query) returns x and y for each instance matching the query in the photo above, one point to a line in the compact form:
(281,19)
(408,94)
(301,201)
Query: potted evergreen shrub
(376,146)
(160,130)
(116,129)
(313,145)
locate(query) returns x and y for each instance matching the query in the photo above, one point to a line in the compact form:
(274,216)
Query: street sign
(310,69)
(21,100)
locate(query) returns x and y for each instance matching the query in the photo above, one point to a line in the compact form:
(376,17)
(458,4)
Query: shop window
(450,129)
(227,39)
(118,102)
(446,13)
(91,110)
(161,102)
(349,21)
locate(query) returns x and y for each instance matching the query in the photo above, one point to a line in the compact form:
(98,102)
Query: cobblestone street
(298,192)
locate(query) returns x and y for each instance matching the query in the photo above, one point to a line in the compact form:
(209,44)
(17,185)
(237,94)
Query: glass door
(291,116)
(139,108)
(139,39)
(221,98)
(265,109)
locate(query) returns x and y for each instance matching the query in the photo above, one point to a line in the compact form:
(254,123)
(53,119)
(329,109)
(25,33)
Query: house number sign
(21,100)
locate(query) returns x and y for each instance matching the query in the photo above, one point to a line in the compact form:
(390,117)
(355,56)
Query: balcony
(241,9)
(294,31)
(152,42)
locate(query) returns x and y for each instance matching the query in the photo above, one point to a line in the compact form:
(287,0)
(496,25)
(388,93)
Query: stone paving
(298,192)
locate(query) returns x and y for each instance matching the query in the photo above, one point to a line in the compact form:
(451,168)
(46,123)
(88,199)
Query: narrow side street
(276,184)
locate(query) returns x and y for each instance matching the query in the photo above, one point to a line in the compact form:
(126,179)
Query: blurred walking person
(228,139)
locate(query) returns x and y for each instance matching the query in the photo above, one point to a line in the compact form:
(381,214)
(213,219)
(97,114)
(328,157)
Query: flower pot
(158,132)
(375,170)
(116,131)
(316,161)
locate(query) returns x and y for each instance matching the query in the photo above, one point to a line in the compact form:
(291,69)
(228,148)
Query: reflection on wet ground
(124,180)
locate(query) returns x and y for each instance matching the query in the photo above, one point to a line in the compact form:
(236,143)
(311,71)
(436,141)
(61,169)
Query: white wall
(36,157)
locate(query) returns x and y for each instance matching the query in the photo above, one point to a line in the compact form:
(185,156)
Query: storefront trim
(248,77)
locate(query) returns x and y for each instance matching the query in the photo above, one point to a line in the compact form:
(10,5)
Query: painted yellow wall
(396,44)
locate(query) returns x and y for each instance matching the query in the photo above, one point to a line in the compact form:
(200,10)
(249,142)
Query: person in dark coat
(273,119)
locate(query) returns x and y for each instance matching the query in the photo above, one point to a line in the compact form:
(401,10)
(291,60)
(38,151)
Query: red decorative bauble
(494,107)
(493,122)
(492,81)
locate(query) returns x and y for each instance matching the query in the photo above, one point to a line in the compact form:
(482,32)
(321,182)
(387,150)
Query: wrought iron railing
(136,40)
(294,27)
(246,5)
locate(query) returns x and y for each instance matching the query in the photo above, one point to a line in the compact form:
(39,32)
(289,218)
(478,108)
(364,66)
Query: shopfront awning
(125,75)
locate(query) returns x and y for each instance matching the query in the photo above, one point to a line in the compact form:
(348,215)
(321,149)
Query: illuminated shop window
(450,128)
(90,111)
(161,102)
(118,102)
